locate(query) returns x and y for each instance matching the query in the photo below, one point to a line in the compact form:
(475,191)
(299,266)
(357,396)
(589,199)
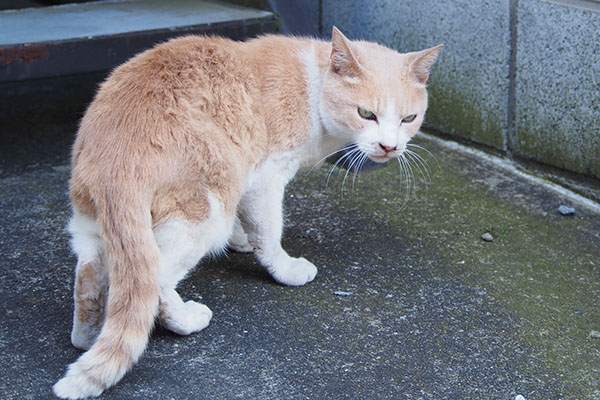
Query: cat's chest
(282,168)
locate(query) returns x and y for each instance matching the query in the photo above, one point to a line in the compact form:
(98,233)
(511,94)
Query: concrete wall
(557,85)
(520,76)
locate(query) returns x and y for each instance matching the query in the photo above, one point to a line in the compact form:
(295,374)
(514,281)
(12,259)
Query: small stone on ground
(564,210)
(487,237)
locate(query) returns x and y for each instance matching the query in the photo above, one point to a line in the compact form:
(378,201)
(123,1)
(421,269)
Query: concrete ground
(409,303)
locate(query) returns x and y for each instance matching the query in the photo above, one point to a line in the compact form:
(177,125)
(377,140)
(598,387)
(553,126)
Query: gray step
(96,36)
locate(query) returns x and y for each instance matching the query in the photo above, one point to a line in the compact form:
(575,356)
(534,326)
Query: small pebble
(487,237)
(595,335)
(343,294)
(564,210)
(519,397)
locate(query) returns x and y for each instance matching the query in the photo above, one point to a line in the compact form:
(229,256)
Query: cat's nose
(387,148)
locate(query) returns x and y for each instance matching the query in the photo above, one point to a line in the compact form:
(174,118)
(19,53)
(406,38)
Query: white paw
(298,272)
(75,385)
(192,317)
(239,241)
(241,247)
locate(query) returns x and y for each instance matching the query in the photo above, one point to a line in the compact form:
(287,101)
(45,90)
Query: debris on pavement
(564,210)
(487,237)
(342,294)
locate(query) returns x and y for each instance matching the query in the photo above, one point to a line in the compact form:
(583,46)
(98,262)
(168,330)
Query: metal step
(96,36)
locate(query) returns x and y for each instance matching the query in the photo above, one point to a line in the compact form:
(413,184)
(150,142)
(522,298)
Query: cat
(187,148)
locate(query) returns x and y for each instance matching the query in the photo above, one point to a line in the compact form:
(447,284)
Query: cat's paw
(241,247)
(239,241)
(297,273)
(191,317)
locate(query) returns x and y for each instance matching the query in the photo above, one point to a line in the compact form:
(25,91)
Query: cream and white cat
(187,148)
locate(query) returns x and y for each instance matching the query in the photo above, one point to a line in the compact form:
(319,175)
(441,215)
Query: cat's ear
(422,62)
(343,61)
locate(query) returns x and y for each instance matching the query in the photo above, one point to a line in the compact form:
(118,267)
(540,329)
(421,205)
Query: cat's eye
(409,118)
(366,114)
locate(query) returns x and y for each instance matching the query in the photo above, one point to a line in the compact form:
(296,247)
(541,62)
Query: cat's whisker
(358,168)
(336,163)
(420,148)
(403,172)
(422,160)
(411,181)
(420,164)
(323,159)
(409,176)
(404,178)
(411,167)
(416,146)
(348,154)
(363,158)
(355,156)
(421,168)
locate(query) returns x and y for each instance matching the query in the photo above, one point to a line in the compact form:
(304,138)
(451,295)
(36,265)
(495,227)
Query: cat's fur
(192,136)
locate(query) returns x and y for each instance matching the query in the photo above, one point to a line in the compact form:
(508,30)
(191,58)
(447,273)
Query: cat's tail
(133,257)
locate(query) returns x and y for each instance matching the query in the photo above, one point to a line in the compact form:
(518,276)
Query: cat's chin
(380,159)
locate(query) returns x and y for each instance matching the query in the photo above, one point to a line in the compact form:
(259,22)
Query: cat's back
(165,93)
(192,60)
(188,69)
(190,96)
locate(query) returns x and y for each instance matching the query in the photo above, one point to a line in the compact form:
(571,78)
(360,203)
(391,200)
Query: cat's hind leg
(91,281)
(182,244)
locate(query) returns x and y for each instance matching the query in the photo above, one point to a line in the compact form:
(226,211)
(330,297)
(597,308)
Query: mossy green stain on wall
(573,145)
(455,112)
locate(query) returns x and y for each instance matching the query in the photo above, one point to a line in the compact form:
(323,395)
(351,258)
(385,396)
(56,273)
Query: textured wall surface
(557,116)
(298,17)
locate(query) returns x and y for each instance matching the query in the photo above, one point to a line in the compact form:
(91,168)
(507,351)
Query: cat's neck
(317,62)
(292,71)
(315,59)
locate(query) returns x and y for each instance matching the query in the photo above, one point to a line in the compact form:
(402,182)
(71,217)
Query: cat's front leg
(261,213)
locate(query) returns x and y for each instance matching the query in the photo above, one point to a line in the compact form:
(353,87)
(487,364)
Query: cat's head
(373,96)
